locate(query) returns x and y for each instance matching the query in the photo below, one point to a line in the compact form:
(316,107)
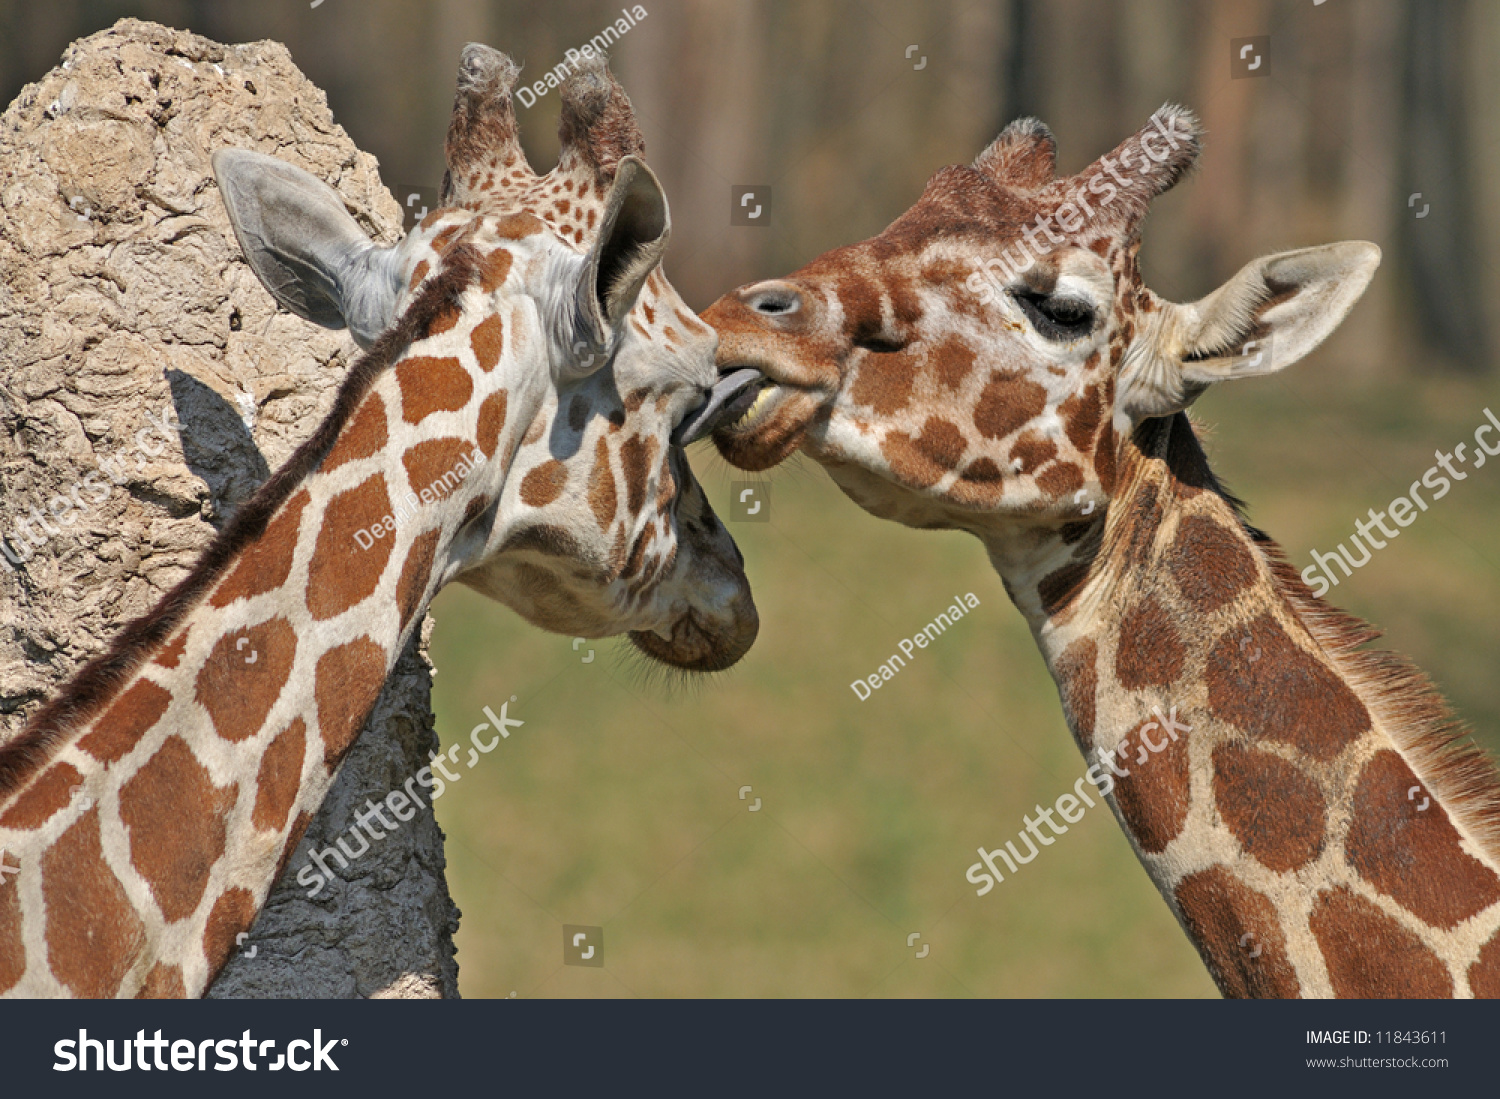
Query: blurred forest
(616,806)
(1362,105)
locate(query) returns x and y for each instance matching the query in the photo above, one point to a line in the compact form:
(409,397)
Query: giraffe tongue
(706,416)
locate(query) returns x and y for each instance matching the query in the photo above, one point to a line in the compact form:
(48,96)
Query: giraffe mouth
(765,422)
(753,400)
(754,406)
(728,393)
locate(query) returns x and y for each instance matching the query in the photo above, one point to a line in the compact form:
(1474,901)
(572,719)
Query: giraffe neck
(1299,803)
(150,816)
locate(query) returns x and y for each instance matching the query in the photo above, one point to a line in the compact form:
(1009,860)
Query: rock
(124,300)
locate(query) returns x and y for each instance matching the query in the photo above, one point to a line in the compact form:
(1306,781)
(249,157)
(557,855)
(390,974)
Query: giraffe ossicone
(527,364)
(993,363)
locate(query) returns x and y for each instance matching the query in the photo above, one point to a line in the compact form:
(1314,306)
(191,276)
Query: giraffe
(510,427)
(993,363)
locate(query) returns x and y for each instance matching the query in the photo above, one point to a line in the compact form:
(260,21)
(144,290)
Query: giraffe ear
(631,241)
(1273,312)
(304,247)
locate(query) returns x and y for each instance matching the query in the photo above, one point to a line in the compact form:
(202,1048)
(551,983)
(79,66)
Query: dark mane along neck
(102,677)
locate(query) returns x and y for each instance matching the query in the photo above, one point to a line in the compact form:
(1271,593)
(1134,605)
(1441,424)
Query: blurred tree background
(617,805)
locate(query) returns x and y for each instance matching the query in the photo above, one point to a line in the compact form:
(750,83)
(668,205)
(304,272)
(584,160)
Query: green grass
(618,804)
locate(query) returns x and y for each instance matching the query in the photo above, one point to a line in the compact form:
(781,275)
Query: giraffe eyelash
(1057,316)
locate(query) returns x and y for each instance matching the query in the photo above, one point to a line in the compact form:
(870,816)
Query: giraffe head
(978,361)
(557,346)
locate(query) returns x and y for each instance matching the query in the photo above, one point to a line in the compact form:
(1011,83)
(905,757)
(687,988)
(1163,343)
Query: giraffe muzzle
(729,398)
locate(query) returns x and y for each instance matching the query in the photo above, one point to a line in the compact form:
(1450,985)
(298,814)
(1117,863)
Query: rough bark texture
(123,297)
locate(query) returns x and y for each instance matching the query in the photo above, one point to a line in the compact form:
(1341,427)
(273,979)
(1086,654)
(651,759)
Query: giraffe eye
(1058,316)
(774,303)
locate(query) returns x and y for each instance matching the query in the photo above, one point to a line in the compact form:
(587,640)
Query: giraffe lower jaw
(764,424)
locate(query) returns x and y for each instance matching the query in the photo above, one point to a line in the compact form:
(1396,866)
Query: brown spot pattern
(444,321)
(1009,400)
(491,422)
(348,682)
(1033,452)
(365,435)
(232,913)
(266,563)
(493,270)
(1078,676)
(341,573)
(1210,565)
(48,794)
(1410,855)
(488,341)
(1061,479)
(1058,588)
(1219,912)
(637,556)
(172,652)
(602,498)
(415,573)
(981,484)
(884,381)
(175,816)
(544,483)
(121,727)
(1104,458)
(12,948)
(431,385)
(518,225)
(164,982)
(951,361)
(1081,414)
(1263,684)
(636,457)
(1153,797)
(1273,809)
(280,777)
(93,934)
(434,465)
(1371,956)
(1150,651)
(238,693)
(924,461)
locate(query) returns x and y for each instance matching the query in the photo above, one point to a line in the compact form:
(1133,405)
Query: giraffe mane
(97,681)
(1400,696)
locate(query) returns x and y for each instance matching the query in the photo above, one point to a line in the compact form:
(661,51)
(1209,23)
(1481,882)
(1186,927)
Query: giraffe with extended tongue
(993,363)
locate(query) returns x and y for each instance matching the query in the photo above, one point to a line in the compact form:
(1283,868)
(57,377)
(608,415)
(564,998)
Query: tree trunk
(148,385)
